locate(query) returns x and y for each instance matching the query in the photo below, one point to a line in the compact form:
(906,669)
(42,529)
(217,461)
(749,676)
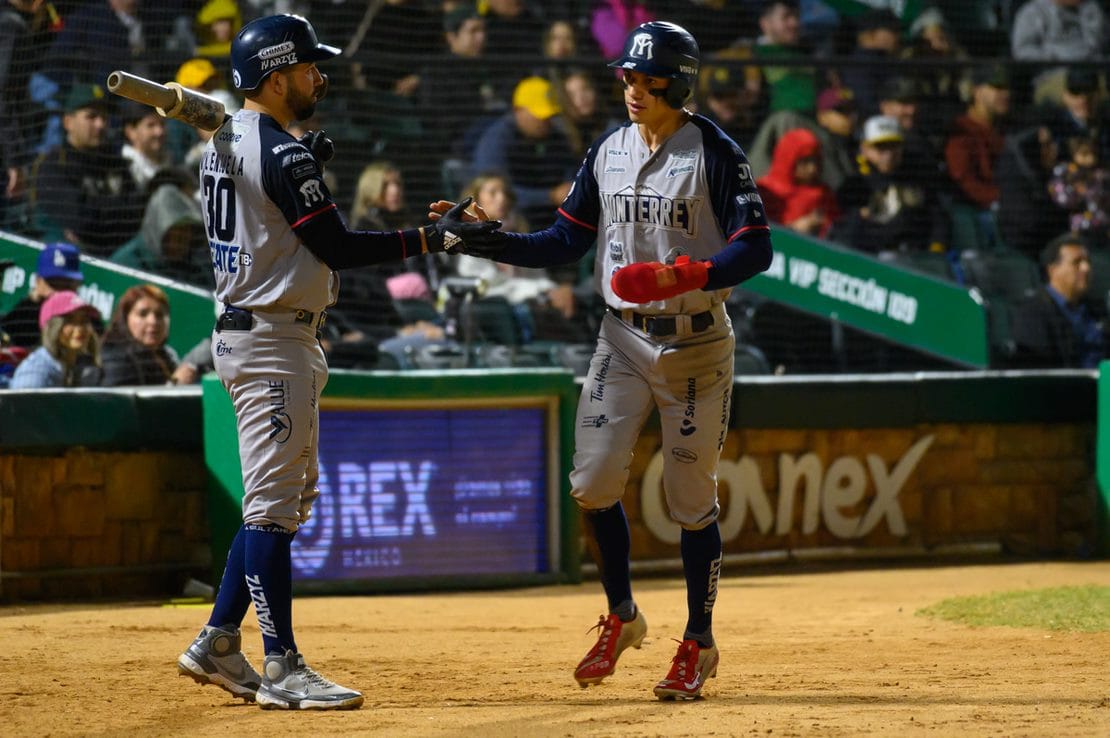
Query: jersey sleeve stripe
(574,220)
(313,214)
(745,229)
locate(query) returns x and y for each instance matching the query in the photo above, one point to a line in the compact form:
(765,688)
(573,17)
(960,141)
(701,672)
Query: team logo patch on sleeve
(312,191)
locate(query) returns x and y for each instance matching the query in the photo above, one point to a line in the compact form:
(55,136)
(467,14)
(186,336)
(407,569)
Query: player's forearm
(562,243)
(741,259)
(328,237)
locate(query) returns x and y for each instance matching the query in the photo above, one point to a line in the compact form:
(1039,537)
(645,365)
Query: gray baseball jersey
(257,183)
(694,193)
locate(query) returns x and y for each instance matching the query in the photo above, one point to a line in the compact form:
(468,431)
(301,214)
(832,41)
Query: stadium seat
(537,353)
(1098,292)
(1004,273)
(412,310)
(929,263)
(491,320)
(387,362)
(438,356)
(495,356)
(973,229)
(748,359)
(1000,332)
(576,357)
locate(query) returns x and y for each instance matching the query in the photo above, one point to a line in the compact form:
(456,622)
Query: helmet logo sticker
(277,50)
(642,46)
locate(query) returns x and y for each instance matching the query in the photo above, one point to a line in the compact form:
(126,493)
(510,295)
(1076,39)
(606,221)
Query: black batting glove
(320,145)
(477,238)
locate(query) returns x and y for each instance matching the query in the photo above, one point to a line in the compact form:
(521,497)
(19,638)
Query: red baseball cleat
(691,666)
(615,637)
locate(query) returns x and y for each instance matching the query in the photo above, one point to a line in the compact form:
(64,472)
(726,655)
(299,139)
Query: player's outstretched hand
(465,232)
(653,280)
(319,144)
(472,213)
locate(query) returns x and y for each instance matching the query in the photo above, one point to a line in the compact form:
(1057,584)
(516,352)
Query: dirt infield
(837,653)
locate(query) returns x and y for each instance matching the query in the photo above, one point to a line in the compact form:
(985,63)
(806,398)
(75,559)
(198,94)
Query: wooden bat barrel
(171,100)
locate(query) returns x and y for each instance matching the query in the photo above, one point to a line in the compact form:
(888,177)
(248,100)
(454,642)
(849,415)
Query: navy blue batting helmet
(267,44)
(661,49)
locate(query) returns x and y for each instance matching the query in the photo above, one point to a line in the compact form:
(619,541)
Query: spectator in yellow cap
(217,23)
(535,155)
(185,143)
(201,74)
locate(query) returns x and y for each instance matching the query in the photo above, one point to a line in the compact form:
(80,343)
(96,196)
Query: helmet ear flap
(678,93)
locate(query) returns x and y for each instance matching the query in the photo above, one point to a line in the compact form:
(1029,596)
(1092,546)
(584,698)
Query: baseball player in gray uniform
(671,202)
(276,240)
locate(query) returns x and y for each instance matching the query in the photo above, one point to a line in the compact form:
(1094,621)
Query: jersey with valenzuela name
(694,193)
(257,184)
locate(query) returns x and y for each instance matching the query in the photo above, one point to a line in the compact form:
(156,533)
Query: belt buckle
(660,326)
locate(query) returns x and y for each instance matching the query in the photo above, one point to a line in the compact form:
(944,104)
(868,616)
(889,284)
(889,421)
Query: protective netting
(990,110)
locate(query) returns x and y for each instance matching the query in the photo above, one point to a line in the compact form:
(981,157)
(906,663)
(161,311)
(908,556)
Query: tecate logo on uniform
(271,51)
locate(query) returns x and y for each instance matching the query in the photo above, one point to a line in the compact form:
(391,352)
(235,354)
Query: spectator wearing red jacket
(793,193)
(977,140)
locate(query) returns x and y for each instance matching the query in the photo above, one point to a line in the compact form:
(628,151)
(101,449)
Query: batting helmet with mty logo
(267,44)
(661,49)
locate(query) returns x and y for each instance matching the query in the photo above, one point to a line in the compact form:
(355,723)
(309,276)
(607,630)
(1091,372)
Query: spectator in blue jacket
(526,147)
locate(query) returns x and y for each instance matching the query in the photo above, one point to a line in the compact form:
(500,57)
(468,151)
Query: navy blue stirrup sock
(701,562)
(268,573)
(232,599)
(610,532)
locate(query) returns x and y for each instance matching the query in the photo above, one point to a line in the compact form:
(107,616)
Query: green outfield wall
(429,475)
(1103,459)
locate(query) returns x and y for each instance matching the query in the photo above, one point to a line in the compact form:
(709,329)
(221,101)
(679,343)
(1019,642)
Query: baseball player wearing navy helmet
(678,221)
(276,241)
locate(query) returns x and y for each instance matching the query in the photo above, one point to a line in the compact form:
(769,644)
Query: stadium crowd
(960,138)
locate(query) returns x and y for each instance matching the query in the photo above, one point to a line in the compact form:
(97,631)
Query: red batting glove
(651,281)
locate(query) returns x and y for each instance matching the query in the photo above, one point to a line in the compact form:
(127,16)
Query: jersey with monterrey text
(257,183)
(694,193)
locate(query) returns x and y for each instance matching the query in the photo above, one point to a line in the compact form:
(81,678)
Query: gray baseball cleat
(215,657)
(289,684)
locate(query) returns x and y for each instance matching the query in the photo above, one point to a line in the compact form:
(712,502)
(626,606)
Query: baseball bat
(171,100)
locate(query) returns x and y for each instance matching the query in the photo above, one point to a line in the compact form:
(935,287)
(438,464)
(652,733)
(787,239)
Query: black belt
(241,319)
(662,325)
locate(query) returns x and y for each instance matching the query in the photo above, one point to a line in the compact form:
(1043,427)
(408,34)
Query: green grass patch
(1084,609)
